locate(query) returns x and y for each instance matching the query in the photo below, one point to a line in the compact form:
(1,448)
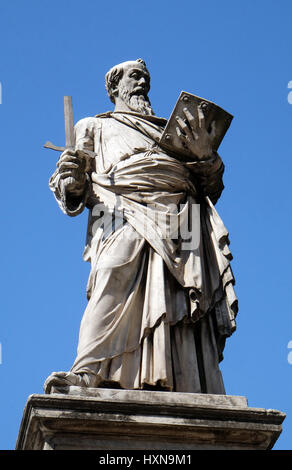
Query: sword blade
(69,123)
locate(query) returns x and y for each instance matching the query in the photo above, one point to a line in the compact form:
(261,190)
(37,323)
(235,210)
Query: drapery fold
(160,306)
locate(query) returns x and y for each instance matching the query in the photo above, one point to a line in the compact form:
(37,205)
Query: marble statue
(159,308)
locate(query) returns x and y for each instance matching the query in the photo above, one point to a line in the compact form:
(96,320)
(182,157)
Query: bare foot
(65,379)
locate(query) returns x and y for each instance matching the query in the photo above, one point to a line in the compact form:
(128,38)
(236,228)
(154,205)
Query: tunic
(160,293)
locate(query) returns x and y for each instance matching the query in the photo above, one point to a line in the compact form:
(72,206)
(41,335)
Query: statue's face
(135,79)
(133,87)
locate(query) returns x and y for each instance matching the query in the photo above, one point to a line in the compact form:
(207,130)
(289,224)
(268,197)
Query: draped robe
(159,308)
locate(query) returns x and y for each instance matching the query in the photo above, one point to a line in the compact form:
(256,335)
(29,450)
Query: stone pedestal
(107,419)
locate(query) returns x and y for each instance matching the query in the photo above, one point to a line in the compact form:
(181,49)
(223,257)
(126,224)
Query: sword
(69,128)
(70,136)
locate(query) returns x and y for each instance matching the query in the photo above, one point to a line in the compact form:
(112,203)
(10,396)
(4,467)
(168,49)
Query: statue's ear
(114,90)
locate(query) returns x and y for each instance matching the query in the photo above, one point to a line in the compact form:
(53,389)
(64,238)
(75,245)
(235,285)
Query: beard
(138,103)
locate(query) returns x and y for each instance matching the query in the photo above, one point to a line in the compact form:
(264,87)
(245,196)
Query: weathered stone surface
(161,301)
(107,419)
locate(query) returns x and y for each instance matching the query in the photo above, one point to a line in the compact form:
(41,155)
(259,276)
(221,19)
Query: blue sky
(236,53)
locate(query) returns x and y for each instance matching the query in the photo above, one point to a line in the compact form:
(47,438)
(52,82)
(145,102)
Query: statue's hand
(72,171)
(195,137)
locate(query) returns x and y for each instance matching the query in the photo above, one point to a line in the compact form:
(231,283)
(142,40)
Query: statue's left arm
(207,166)
(208,174)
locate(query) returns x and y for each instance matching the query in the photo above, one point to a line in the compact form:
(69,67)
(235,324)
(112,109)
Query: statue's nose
(142,81)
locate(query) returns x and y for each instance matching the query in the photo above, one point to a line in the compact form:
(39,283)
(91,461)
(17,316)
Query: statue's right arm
(70,181)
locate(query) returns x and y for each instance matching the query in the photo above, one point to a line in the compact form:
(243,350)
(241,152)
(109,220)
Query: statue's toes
(55,379)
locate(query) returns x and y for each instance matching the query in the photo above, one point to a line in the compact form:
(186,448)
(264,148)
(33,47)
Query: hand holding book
(195,128)
(193,133)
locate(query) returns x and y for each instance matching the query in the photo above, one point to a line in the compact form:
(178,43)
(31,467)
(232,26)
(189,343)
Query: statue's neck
(121,106)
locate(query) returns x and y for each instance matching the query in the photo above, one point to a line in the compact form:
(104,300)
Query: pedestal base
(107,419)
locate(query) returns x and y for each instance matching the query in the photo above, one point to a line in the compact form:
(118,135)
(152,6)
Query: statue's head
(129,82)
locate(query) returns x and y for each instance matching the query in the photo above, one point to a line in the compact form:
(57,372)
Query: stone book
(170,139)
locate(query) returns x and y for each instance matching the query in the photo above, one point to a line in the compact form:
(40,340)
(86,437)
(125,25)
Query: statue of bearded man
(159,308)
